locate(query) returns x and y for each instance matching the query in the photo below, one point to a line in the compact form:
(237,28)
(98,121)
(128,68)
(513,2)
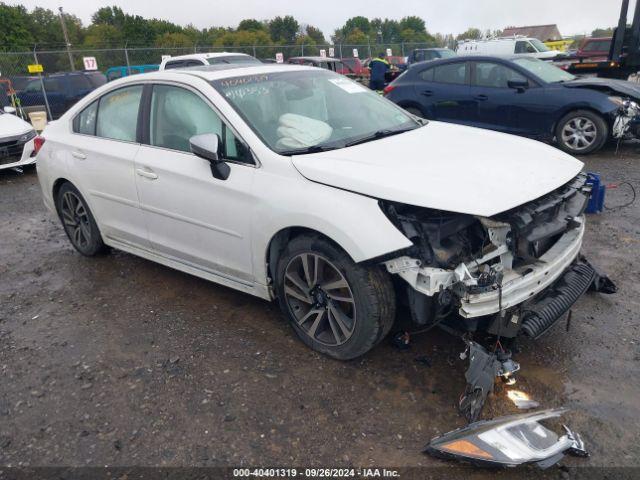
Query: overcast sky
(445,16)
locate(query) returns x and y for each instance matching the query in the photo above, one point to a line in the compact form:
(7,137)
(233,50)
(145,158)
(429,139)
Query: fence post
(254,51)
(126,57)
(402,48)
(302,49)
(369,45)
(340,49)
(44,92)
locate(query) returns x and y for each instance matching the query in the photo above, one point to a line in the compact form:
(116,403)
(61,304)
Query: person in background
(378,66)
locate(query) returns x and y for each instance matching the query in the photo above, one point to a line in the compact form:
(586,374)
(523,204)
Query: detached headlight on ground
(509,441)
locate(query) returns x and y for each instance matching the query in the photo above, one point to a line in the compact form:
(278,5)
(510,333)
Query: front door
(191,216)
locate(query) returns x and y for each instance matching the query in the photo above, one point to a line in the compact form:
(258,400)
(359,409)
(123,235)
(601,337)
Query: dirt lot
(119,361)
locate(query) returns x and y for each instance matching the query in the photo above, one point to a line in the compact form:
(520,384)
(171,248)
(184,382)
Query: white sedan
(297,184)
(16,140)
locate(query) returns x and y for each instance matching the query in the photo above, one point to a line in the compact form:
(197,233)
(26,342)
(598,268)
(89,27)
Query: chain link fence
(55,89)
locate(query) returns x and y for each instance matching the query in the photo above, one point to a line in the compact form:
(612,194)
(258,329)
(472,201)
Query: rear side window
(118,114)
(453,73)
(85,122)
(174,64)
(96,79)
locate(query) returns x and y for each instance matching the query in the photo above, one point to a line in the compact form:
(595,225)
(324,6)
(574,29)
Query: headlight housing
(509,441)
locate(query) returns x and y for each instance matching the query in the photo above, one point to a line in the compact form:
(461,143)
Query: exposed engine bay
(515,273)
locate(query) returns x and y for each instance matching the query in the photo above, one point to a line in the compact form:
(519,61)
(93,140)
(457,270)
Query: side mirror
(208,146)
(519,85)
(9,110)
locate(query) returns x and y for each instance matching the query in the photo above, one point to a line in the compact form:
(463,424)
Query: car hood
(10,125)
(620,86)
(445,167)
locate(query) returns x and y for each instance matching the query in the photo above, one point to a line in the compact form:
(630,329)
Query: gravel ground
(119,361)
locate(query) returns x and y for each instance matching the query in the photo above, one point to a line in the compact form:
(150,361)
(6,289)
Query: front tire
(335,306)
(581,132)
(78,221)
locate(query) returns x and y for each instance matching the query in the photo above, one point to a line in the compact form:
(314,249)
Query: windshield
(544,70)
(232,59)
(541,47)
(304,111)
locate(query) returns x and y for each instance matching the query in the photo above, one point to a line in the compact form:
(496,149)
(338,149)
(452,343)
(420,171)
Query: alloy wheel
(320,299)
(76,219)
(579,133)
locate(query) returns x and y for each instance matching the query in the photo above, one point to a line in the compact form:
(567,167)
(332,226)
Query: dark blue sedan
(522,96)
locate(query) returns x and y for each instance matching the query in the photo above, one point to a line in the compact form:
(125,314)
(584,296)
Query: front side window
(597,46)
(495,75)
(538,45)
(118,114)
(523,46)
(178,114)
(293,112)
(544,70)
(454,73)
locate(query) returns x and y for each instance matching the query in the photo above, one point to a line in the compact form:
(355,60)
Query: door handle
(146,174)
(482,98)
(427,93)
(78,155)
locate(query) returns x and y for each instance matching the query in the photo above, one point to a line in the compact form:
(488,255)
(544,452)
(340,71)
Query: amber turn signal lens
(465,447)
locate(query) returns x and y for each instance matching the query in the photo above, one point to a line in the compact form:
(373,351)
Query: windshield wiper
(305,150)
(378,135)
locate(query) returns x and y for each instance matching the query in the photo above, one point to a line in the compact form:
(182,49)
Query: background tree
(252,24)
(284,29)
(315,34)
(470,34)
(602,32)
(14,27)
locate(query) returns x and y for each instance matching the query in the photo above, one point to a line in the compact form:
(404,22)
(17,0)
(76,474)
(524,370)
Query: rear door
(444,92)
(101,152)
(192,217)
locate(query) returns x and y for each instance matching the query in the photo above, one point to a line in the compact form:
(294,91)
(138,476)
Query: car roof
(218,72)
(207,55)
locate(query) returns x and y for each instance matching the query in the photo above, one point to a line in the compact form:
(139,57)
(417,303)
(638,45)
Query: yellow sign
(37,68)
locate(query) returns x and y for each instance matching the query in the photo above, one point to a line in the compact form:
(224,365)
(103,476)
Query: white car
(507,47)
(297,184)
(16,140)
(200,59)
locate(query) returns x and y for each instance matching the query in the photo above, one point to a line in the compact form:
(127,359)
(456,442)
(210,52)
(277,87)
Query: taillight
(37,145)
(388,89)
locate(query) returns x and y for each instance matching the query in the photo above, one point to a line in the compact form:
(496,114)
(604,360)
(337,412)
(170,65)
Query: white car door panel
(192,216)
(106,171)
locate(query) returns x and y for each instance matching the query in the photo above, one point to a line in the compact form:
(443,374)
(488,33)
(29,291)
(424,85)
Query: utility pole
(66,38)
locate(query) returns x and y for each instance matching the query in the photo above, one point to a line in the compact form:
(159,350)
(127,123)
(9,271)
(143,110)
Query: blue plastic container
(598,189)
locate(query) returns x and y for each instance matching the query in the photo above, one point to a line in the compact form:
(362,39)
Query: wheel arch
(574,108)
(280,239)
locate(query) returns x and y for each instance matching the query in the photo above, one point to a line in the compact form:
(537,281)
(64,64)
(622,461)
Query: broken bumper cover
(518,285)
(525,283)
(509,441)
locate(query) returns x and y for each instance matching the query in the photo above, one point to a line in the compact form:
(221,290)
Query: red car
(355,65)
(595,49)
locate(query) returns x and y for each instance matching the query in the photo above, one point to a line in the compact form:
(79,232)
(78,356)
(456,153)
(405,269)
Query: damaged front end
(515,273)
(626,121)
(518,271)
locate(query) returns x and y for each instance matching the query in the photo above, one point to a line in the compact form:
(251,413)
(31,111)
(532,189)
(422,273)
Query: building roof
(541,32)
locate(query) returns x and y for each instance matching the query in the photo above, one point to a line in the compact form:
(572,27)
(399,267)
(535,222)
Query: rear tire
(581,132)
(78,221)
(336,307)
